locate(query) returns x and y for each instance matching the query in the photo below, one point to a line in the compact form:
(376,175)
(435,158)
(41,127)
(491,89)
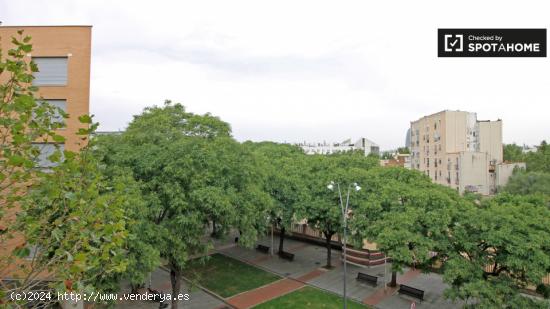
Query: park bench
(262,248)
(286,255)
(367,278)
(409,290)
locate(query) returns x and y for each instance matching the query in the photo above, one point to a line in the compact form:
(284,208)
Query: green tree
(403,150)
(323,209)
(23,121)
(496,249)
(405,215)
(512,153)
(284,182)
(539,161)
(191,173)
(73,219)
(386,155)
(524,183)
(141,253)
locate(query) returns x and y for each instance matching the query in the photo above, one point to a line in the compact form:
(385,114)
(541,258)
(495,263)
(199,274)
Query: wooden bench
(409,290)
(262,248)
(367,278)
(286,255)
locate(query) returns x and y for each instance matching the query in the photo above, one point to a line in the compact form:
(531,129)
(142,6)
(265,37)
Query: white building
(363,144)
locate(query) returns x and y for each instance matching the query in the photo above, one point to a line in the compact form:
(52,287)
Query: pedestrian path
(273,290)
(385,292)
(307,269)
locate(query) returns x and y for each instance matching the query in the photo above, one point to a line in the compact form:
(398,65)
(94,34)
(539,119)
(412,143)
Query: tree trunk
(281,239)
(328,237)
(175,278)
(134,288)
(393,282)
(214,234)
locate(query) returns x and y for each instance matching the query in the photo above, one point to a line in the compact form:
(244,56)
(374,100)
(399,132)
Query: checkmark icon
(453,42)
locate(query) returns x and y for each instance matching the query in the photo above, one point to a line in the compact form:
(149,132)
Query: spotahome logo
(491,42)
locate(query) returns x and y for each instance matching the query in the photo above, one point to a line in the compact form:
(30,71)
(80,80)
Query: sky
(294,71)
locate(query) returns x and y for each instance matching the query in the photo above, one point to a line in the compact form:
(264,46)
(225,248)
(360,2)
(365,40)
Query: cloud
(303,70)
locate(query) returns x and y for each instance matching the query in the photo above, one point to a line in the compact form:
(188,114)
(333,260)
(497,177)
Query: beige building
(456,149)
(62,54)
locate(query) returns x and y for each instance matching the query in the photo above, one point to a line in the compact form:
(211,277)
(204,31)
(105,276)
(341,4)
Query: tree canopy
(192,173)
(498,248)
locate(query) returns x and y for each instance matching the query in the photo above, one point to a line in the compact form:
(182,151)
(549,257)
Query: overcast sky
(304,70)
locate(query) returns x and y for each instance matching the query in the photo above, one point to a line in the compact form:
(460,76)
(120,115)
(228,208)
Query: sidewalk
(307,269)
(160,280)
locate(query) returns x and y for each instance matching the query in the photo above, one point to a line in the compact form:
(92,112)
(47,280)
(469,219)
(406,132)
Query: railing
(545,280)
(308,231)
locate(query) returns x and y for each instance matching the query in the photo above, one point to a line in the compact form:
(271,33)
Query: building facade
(364,145)
(456,149)
(398,159)
(62,54)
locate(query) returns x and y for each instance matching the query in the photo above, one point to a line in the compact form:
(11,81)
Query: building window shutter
(52,71)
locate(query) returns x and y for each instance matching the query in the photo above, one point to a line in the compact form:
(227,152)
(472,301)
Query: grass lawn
(226,276)
(308,297)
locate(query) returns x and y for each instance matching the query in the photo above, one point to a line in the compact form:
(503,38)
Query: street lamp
(355,187)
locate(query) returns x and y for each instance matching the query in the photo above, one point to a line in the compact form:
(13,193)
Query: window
(52,71)
(46,150)
(61,104)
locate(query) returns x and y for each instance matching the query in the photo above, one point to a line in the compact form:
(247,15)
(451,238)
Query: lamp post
(356,187)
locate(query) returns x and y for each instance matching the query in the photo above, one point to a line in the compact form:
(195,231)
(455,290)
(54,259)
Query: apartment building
(456,149)
(365,145)
(62,54)
(398,159)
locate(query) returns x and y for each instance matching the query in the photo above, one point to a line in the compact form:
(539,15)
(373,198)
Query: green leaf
(21,252)
(85,119)
(58,138)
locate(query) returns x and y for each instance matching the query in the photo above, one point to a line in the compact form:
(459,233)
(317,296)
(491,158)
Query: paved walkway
(307,269)
(160,281)
(385,292)
(265,293)
(271,291)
